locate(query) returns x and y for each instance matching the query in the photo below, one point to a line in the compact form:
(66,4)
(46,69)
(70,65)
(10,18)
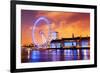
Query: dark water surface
(54,55)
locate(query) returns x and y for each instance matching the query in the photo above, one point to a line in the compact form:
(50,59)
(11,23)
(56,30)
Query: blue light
(58,52)
(75,54)
(54,55)
(74,43)
(68,54)
(84,43)
(68,44)
(53,45)
(35,54)
(58,45)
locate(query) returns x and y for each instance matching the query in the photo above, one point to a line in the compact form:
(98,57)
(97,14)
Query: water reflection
(56,55)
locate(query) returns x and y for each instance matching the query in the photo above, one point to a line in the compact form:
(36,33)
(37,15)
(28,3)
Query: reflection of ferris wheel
(45,41)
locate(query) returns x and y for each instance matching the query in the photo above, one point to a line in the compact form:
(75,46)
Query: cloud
(65,23)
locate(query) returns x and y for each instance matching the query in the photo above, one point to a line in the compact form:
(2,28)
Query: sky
(65,23)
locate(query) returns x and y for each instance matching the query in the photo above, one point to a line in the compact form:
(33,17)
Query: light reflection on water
(57,55)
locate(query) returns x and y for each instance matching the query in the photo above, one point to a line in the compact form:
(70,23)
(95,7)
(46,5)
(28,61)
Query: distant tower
(54,35)
(72,35)
(73,40)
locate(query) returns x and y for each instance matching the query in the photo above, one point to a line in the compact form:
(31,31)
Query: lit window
(58,45)
(84,43)
(68,44)
(74,43)
(53,45)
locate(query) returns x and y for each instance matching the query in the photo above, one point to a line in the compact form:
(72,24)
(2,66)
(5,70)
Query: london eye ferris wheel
(45,37)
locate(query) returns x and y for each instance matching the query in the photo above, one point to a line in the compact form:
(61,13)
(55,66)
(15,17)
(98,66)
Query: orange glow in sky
(65,23)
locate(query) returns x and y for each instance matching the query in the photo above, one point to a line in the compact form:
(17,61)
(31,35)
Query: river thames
(54,55)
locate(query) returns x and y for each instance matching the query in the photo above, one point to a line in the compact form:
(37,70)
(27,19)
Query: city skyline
(65,23)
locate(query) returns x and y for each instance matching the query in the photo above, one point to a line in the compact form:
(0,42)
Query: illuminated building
(54,35)
(70,42)
(79,46)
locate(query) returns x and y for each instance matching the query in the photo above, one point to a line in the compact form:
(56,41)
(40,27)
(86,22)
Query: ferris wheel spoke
(45,40)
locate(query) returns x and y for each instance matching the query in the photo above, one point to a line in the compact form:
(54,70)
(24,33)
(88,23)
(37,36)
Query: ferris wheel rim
(42,18)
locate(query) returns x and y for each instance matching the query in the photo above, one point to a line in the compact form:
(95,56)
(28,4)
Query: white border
(20,65)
